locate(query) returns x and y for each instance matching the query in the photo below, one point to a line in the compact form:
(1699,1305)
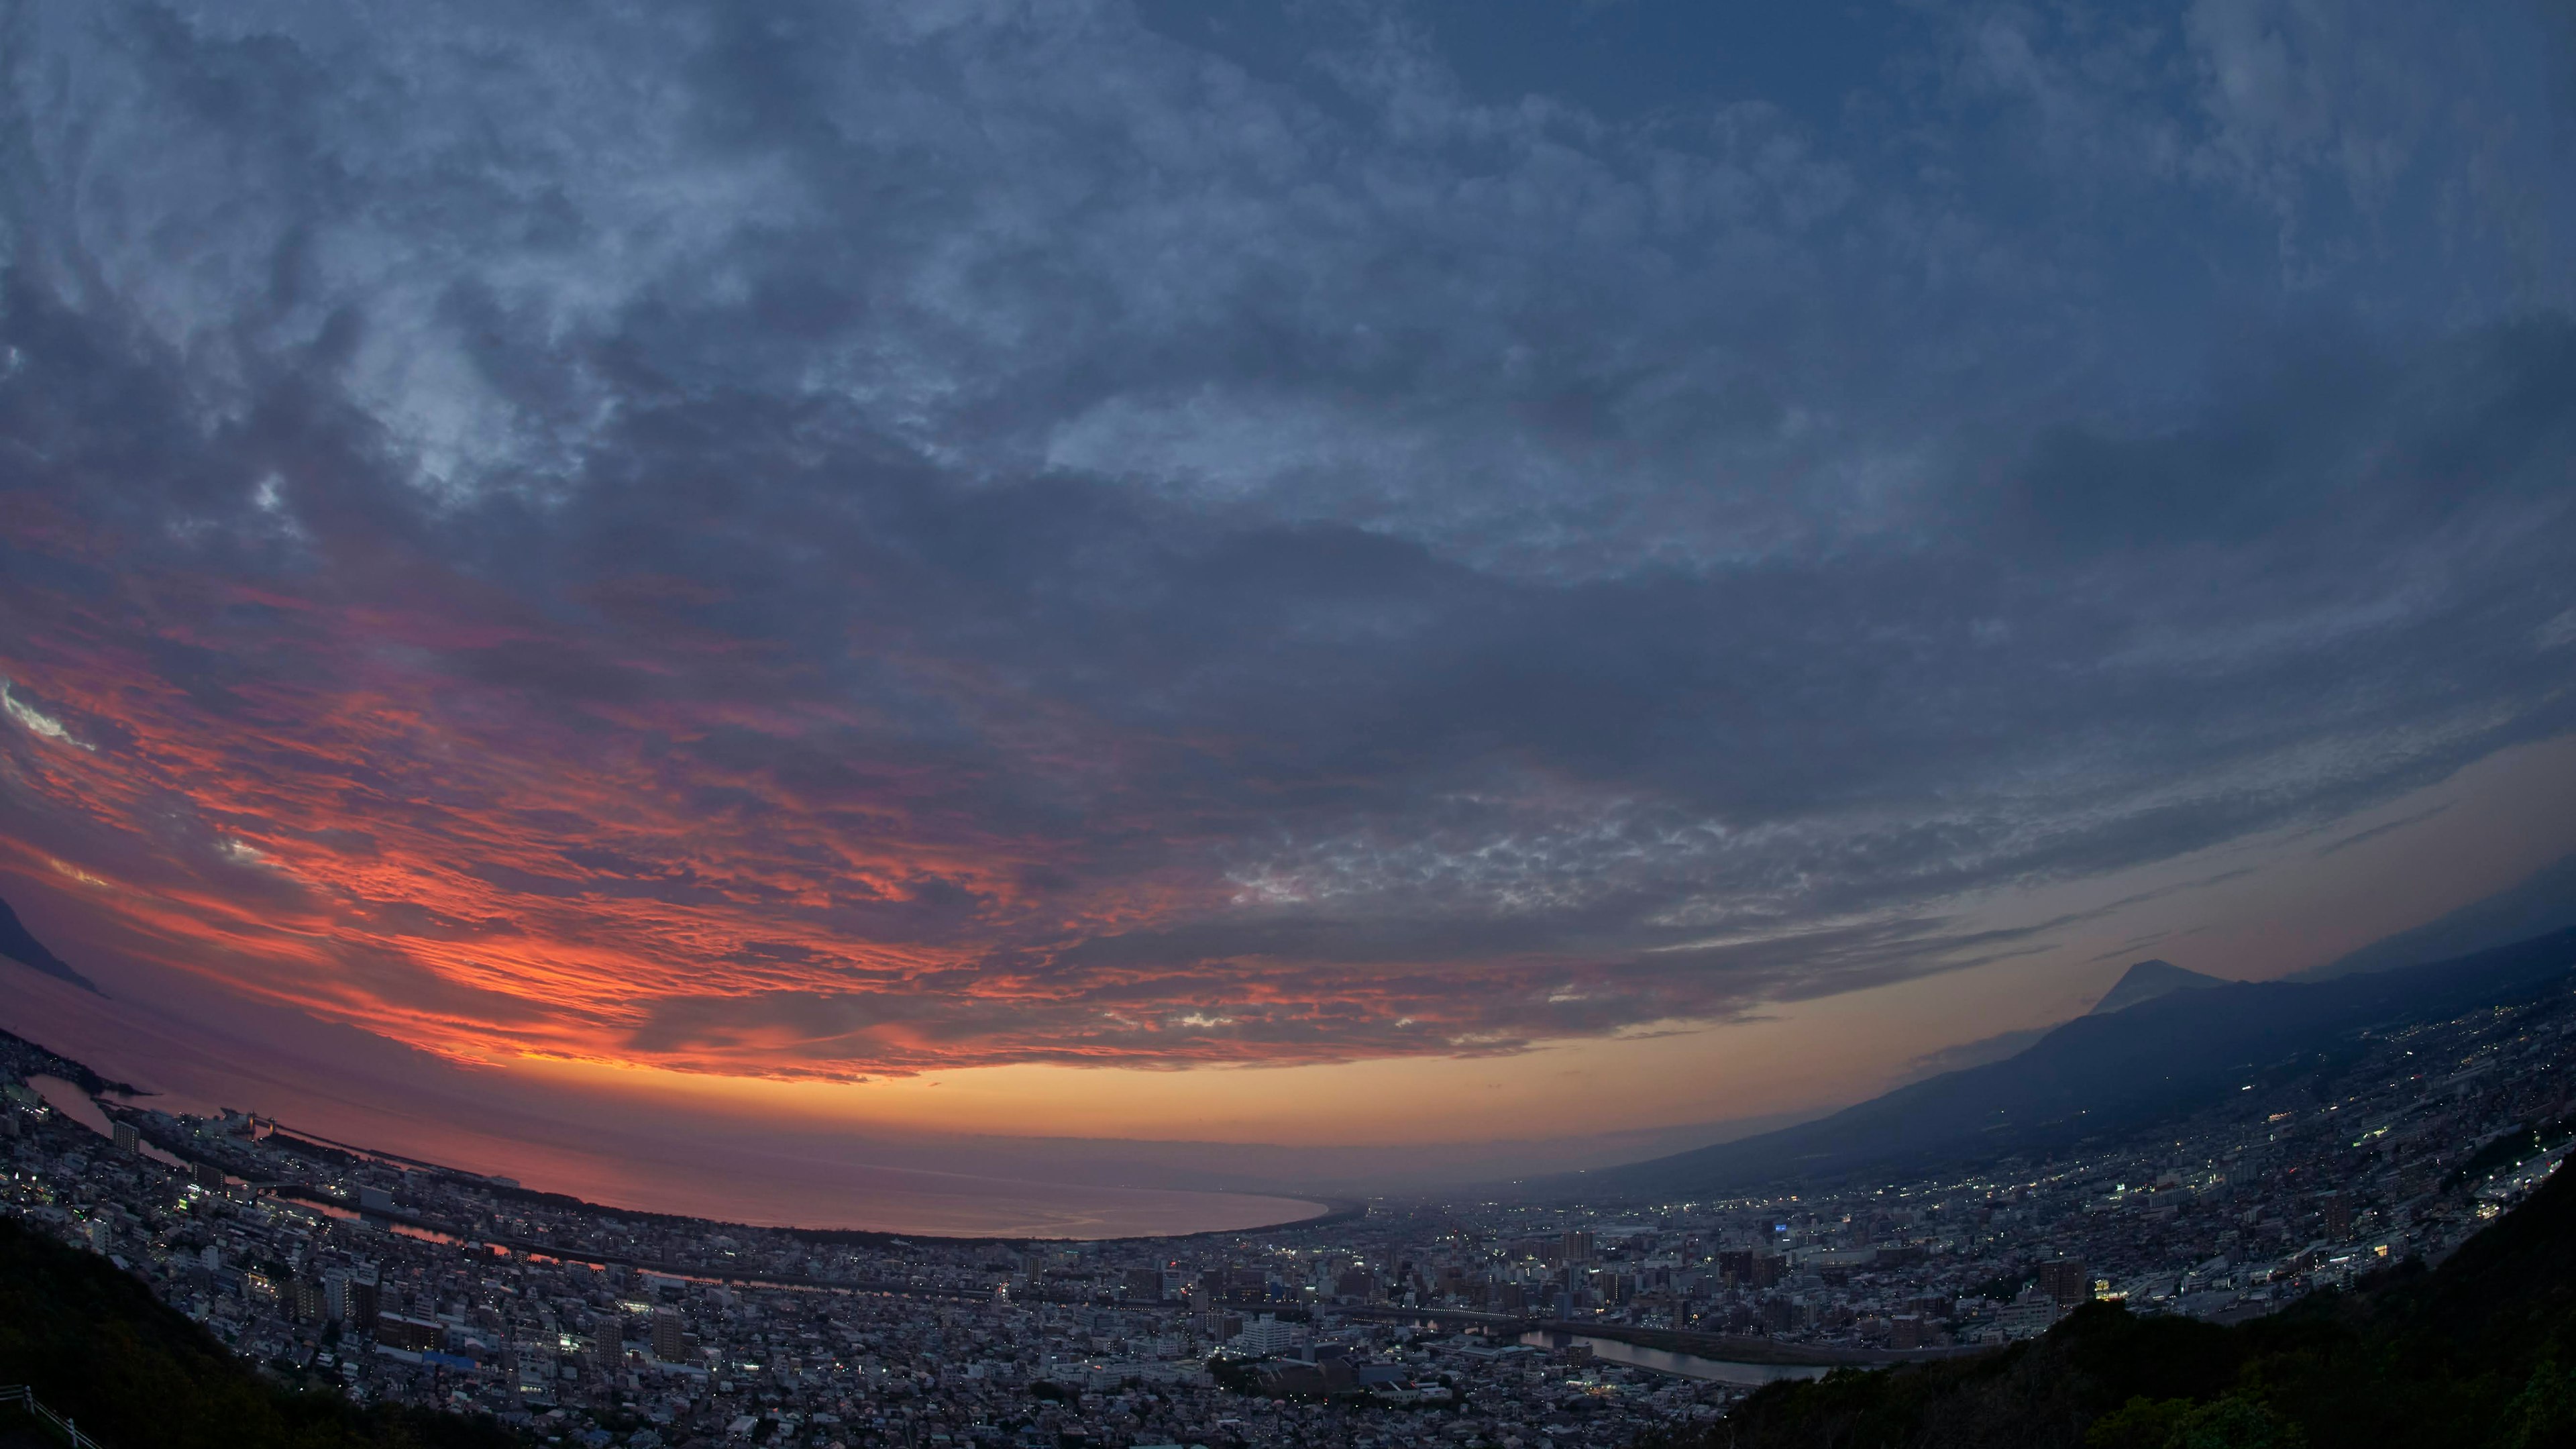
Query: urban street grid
(1502,1323)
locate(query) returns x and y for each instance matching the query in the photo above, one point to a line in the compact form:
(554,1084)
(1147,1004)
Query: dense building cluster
(1507,1324)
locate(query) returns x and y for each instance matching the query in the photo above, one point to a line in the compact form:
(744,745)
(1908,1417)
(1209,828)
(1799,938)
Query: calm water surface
(746,1184)
(68,1099)
(621,1154)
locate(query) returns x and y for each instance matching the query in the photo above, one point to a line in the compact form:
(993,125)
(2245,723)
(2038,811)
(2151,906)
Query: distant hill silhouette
(2543,902)
(2148,980)
(2468,1356)
(20,946)
(2095,1075)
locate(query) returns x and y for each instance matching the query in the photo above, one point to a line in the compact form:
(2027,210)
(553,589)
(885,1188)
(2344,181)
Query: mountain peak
(2148,980)
(20,946)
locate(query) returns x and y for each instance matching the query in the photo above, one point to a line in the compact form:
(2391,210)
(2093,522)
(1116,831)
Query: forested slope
(2479,1352)
(95,1345)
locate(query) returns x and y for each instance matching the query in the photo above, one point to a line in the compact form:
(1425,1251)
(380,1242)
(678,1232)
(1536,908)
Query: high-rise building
(416,1335)
(208,1175)
(670,1338)
(308,1296)
(2029,1315)
(2338,1215)
(2063,1280)
(126,1138)
(1265,1335)
(1578,1245)
(366,1299)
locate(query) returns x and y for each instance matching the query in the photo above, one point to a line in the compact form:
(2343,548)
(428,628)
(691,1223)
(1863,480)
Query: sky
(1313,589)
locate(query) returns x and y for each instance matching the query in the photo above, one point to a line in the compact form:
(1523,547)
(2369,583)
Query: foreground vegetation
(2480,1352)
(98,1347)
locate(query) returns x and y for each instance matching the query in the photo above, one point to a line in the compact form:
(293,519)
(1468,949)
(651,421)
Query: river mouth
(68,1099)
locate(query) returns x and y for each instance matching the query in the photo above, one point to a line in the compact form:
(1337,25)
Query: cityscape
(1287,724)
(1493,1323)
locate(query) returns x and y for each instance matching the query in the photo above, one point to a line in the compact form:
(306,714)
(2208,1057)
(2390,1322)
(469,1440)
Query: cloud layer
(852,540)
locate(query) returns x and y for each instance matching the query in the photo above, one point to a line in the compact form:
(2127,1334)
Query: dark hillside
(2480,1352)
(97,1347)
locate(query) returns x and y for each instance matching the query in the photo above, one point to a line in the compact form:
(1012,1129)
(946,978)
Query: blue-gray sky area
(1104,544)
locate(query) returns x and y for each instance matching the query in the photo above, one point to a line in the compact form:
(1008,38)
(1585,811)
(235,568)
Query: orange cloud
(423,812)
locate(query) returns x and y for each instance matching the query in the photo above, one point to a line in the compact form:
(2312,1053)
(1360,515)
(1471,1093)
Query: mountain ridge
(2147,980)
(20,945)
(2539,903)
(2097,1073)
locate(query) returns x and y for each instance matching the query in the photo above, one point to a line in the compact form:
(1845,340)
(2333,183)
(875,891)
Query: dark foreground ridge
(98,1348)
(2479,1352)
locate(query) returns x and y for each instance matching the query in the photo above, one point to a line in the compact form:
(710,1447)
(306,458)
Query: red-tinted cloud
(391,794)
(846,545)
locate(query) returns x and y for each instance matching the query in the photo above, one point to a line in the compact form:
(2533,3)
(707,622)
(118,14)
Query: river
(68,1099)
(1680,1365)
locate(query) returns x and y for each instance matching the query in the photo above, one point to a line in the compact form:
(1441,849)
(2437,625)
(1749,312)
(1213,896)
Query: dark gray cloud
(1089,533)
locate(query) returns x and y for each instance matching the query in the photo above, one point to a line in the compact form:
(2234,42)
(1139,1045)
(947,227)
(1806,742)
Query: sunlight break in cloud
(36,720)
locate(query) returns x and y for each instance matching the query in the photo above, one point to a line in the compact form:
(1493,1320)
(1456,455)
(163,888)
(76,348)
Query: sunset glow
(1044,572)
